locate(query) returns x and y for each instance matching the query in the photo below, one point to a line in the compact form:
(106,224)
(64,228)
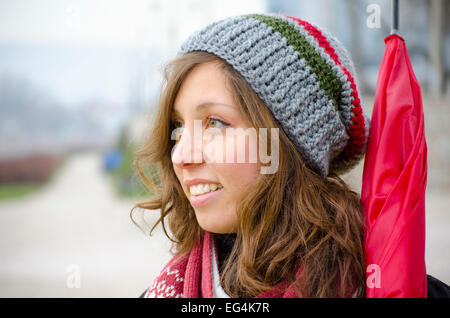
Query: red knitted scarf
(190,276)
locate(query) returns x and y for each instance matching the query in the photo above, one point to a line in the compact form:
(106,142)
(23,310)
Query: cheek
(237,177)
(178,173)
(221,148)
(245,150)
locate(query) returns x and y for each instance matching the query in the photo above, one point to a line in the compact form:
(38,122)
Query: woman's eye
(210,123)
(216,123)
(177,124)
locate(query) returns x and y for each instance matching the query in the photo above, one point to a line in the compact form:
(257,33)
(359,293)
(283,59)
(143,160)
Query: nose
(188,150)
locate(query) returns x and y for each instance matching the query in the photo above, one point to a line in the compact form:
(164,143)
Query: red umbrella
(394,181)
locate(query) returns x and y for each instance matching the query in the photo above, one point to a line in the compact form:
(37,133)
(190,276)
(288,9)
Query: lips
(196,181)
(204,188)
(203,199)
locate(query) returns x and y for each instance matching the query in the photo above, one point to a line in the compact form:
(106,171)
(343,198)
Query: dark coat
(436,288)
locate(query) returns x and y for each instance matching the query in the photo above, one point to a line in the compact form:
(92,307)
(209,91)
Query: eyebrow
(203,105)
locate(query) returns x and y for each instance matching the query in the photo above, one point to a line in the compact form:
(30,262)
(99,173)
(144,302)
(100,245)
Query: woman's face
(203,109)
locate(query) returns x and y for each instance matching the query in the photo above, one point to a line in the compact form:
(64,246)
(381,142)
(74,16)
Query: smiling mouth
(201,189)
(202,199)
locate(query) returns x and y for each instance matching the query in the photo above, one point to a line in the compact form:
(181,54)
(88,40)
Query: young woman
(285,224)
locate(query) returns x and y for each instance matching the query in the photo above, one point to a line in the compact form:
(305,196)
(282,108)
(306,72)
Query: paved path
(76,219)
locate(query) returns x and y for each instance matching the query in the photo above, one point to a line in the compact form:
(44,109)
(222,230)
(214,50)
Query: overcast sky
(111,22)
(81,49)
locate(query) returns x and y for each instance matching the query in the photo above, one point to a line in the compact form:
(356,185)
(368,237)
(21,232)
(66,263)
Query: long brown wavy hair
(292,219)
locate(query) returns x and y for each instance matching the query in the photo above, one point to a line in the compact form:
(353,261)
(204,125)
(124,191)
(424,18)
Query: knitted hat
(305,77)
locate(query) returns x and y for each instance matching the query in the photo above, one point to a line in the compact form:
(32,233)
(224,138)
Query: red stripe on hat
(357,131)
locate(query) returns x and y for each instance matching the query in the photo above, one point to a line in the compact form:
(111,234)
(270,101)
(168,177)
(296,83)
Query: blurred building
(422,25)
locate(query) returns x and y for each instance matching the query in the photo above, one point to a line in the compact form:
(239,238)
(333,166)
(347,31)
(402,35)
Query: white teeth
(204,188)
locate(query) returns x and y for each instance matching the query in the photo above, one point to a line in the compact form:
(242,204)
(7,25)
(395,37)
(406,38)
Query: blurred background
(79,84)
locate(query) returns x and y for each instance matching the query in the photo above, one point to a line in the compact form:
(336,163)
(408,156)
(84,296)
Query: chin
(215,224)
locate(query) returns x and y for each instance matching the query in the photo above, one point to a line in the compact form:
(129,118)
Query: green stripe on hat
(326,76)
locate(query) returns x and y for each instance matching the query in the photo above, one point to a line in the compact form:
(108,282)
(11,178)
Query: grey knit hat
(304,75)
